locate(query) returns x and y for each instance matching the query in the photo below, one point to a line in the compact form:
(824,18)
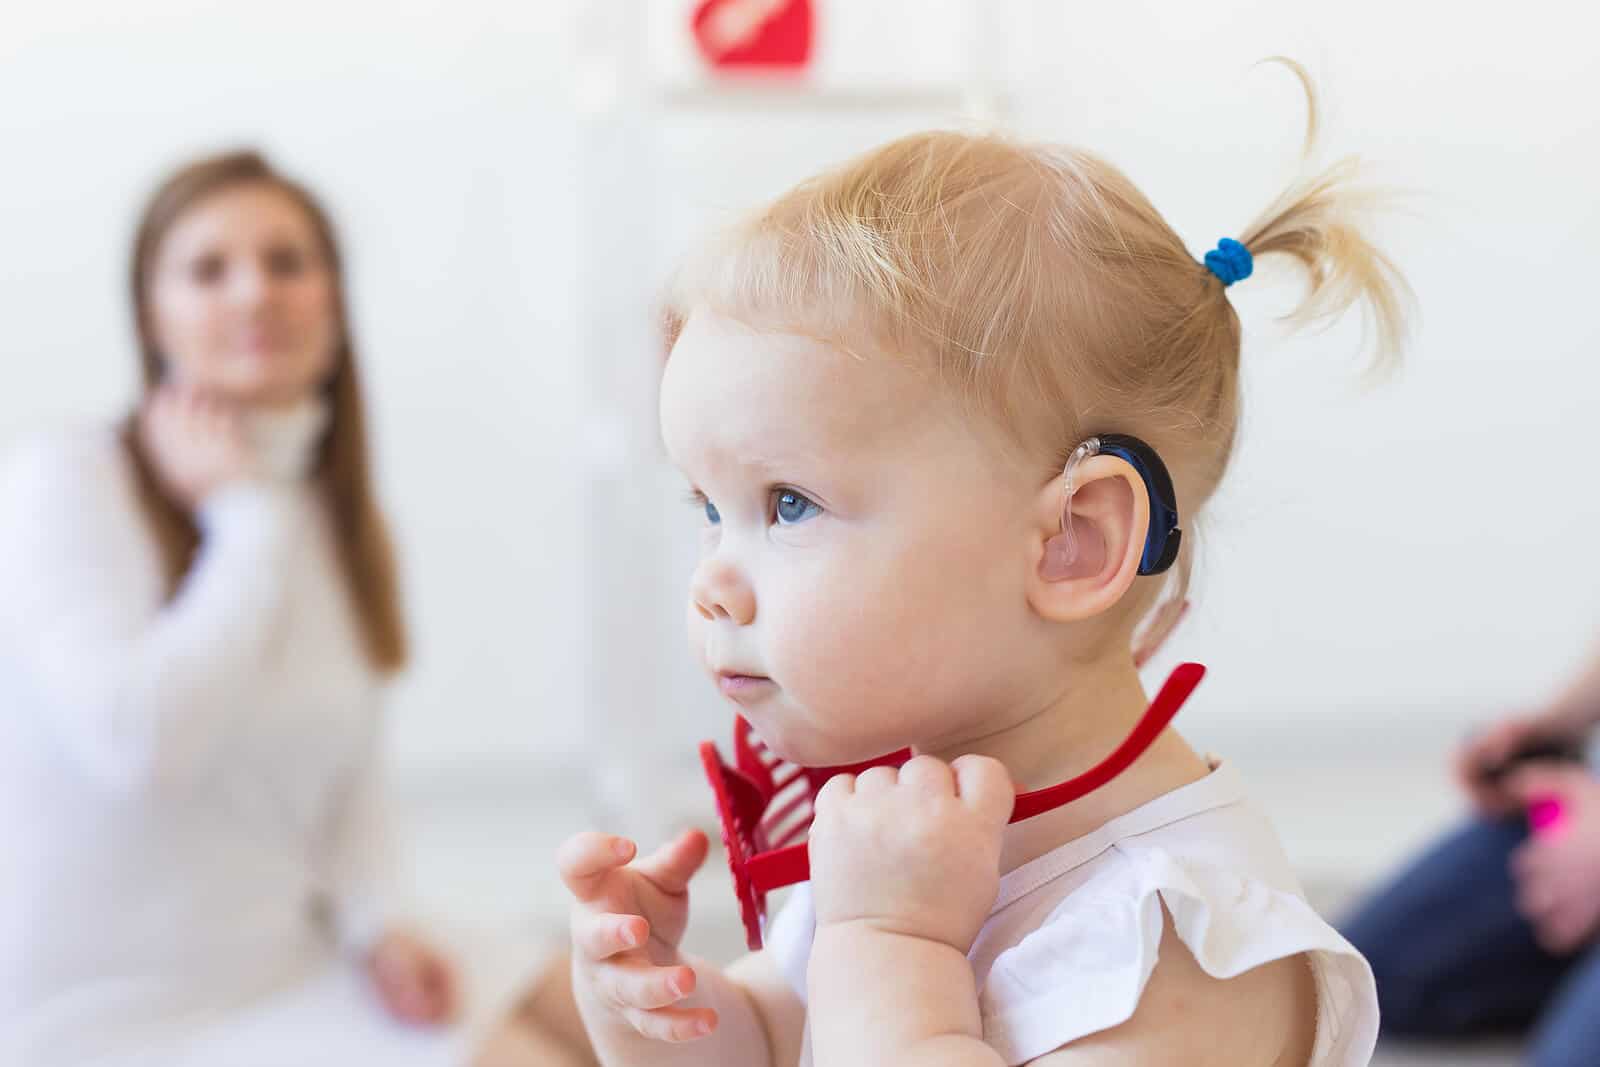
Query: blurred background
(1386,566)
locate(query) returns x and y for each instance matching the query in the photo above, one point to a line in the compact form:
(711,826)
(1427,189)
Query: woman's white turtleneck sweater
(191,817)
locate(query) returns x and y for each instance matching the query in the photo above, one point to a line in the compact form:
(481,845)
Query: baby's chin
(811,745)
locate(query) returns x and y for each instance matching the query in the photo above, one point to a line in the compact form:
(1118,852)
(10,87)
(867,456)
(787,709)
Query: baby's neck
(1072,732)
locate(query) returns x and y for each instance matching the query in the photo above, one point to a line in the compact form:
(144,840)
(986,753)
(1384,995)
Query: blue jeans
(1453,958)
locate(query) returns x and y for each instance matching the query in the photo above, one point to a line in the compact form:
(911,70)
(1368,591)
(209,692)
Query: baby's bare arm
(878,998)
(883,998)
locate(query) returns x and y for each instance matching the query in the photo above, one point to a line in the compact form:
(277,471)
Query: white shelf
(765,95)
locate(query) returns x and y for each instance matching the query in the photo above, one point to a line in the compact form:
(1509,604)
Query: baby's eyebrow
(770,463)
(778,466)
(766,460)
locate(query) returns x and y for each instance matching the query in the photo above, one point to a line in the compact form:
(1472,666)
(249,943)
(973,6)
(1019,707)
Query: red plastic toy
(767,35)
(765,803)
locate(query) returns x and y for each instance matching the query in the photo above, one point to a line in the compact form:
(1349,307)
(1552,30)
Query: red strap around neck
(787,866)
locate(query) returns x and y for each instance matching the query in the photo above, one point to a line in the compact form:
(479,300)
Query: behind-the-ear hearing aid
(1162,536)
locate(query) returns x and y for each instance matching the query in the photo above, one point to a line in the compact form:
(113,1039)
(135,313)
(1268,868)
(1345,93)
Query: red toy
(766,35)
(765,803)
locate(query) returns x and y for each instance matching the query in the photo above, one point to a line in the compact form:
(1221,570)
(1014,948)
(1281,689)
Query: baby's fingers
(585,860)
(672,1024)
(674,863)
(602,936)
(638,983)
(985,787)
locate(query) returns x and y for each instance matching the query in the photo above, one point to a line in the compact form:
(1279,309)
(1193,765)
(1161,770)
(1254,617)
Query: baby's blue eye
(713,516)
(793,507)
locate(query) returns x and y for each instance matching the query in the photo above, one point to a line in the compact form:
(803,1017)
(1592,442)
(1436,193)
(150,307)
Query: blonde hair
(1046,290)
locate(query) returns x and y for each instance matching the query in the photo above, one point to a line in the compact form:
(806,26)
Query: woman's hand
(194,443)
(416,983)
(1558,870)
(1482,764)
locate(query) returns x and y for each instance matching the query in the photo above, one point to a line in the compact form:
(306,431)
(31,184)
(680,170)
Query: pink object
(1547,815)
(765,803)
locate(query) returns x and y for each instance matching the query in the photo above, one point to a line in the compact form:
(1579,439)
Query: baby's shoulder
(1198,931)
(1264,1017)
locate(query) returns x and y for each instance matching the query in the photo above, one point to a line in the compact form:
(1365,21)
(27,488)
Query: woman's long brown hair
(341,471)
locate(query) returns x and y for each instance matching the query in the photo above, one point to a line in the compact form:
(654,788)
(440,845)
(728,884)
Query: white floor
(483,844)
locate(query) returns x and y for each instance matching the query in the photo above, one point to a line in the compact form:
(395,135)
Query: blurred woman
(199,614)
(1496,928)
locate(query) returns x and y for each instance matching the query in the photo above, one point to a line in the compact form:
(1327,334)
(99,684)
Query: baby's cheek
(811,633)
(855,654)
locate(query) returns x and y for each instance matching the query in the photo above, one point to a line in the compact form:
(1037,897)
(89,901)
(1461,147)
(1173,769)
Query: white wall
(1388,563)
(441,135)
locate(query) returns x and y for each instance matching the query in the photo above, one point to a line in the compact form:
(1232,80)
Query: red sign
(754,34)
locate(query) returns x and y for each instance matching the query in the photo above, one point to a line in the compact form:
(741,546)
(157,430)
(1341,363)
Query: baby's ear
(1084,566)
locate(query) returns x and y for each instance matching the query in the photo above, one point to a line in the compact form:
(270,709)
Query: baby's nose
(720,592)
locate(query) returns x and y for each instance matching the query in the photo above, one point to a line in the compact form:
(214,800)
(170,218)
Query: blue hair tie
(1230,261)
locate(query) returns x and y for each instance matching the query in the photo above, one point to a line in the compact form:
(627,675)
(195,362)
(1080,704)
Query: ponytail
(1319,222)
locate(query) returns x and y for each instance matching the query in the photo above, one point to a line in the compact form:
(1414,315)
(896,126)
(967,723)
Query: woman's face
(241,298)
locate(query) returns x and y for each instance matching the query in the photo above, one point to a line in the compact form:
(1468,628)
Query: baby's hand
(914,851)
(626,925)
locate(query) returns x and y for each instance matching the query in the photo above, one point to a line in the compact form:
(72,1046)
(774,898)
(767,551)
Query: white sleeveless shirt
(1073,936)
